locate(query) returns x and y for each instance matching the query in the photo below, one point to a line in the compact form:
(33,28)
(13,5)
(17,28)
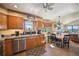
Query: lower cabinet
(34,41)
(31,42)
(1,48)
(12,46)
(28,43)
(38,40)
(8,47)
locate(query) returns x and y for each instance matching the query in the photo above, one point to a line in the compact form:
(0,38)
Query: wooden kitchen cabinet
(15,45)
(37,40)
(15,22)
(28,43)
(3,21)
(42,41)
(1,48)
(8,47)
(19,23)
(40,24)
(11,22)
(33,42)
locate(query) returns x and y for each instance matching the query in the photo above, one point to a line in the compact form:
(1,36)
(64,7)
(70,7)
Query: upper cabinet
(38,23)
(47,23)
(3,21)
(15,22)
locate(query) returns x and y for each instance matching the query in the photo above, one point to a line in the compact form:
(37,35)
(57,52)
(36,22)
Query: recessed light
(15,6)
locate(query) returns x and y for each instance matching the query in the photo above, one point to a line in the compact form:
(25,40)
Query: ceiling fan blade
(50,4)
(50,8)
(44,5)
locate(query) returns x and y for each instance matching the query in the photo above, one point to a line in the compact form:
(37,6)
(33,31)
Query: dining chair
(66,40)
(53,37)
(58,42)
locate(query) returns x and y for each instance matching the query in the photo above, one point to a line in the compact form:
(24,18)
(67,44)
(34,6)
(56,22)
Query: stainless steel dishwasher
(22,44)
(15,45)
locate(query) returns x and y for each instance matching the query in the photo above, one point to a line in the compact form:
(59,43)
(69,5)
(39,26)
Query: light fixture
(48,6)
(59,22)
(59,26)
(15,6)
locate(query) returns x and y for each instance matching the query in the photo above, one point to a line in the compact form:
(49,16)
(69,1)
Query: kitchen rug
(38,51)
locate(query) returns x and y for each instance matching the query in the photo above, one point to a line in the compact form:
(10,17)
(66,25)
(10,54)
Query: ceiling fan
(48,6)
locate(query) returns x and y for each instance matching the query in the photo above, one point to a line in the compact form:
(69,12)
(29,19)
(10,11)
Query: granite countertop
(20,36)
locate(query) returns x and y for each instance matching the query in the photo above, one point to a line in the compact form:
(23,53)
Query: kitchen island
(75,37)
(15,44)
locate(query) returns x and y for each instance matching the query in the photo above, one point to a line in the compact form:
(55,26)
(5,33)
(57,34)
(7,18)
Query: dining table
(61,36)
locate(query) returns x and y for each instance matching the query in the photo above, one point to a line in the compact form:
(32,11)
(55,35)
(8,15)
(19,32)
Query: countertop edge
(20,36)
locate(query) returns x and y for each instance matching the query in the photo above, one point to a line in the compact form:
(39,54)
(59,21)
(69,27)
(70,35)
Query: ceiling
(66,11)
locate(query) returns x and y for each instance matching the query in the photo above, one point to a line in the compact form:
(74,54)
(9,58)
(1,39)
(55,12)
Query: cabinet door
(33,42)
(28,43)
(3,21)
(22,44)
(12,22)
(8,47)
(1,48)
(20,23)
(15,46)
(38,40)
(15,22)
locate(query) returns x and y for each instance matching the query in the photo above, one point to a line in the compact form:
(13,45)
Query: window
(73,28)
(47,29)
(28,24)
(69,27)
